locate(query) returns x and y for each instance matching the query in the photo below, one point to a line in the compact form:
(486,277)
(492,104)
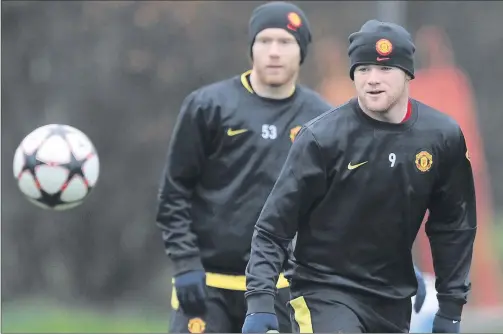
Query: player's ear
(407,76)
(250,58)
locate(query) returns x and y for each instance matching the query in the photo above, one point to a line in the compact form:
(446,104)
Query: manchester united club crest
(424,160)
(294,21)
(294,132)
(384,47)
(196,325)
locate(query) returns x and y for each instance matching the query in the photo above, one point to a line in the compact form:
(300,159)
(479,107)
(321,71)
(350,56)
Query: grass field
(43,317)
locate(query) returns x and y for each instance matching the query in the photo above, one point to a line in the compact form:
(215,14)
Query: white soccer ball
(56,166)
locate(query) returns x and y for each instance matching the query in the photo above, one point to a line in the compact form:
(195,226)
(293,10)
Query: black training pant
(322,309)
(226,310)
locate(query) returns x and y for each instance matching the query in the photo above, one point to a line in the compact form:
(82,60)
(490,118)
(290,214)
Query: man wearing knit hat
(227,148)
(354,190)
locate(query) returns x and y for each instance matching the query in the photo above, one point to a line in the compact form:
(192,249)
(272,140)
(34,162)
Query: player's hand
(191,292)
(260,323)
(421,291)
(444,325)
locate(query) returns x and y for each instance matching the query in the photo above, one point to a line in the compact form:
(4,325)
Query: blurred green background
(46,316)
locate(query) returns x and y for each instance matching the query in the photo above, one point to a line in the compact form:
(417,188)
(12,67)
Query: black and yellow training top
(225,153)
(355,190)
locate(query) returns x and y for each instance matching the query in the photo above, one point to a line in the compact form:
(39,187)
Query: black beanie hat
(283,15)
(382,43)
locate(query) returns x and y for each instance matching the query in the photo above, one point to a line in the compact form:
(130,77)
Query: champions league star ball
(56,166)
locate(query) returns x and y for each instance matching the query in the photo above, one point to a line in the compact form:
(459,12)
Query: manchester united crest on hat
(384,47)
(294,21)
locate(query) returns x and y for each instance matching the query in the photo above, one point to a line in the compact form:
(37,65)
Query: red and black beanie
(382,43)
(278,14)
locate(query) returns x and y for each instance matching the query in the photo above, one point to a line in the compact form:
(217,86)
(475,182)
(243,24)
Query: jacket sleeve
(301,182)
(451,228)
(188,149)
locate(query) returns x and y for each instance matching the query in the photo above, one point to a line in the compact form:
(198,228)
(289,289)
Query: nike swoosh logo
(231,132)
(382,58)
(351,167)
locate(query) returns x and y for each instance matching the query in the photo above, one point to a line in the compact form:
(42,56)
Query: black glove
(191,292)
(444,325)
(421,291)
(260,323)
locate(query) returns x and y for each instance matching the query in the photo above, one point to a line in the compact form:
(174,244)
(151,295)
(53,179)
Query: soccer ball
(56,166)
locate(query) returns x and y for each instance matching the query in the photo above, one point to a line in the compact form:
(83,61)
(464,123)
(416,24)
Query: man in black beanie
(226,150)
(354,190)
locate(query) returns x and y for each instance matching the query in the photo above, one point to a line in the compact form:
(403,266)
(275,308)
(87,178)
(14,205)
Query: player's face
(380,87)
(276,57)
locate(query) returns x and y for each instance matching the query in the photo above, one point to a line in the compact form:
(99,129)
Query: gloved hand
(260,323)
(191,292)
(421,291)
(444,325)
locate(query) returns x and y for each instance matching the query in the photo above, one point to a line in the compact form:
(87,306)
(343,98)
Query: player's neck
(271,92)
(395,114)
